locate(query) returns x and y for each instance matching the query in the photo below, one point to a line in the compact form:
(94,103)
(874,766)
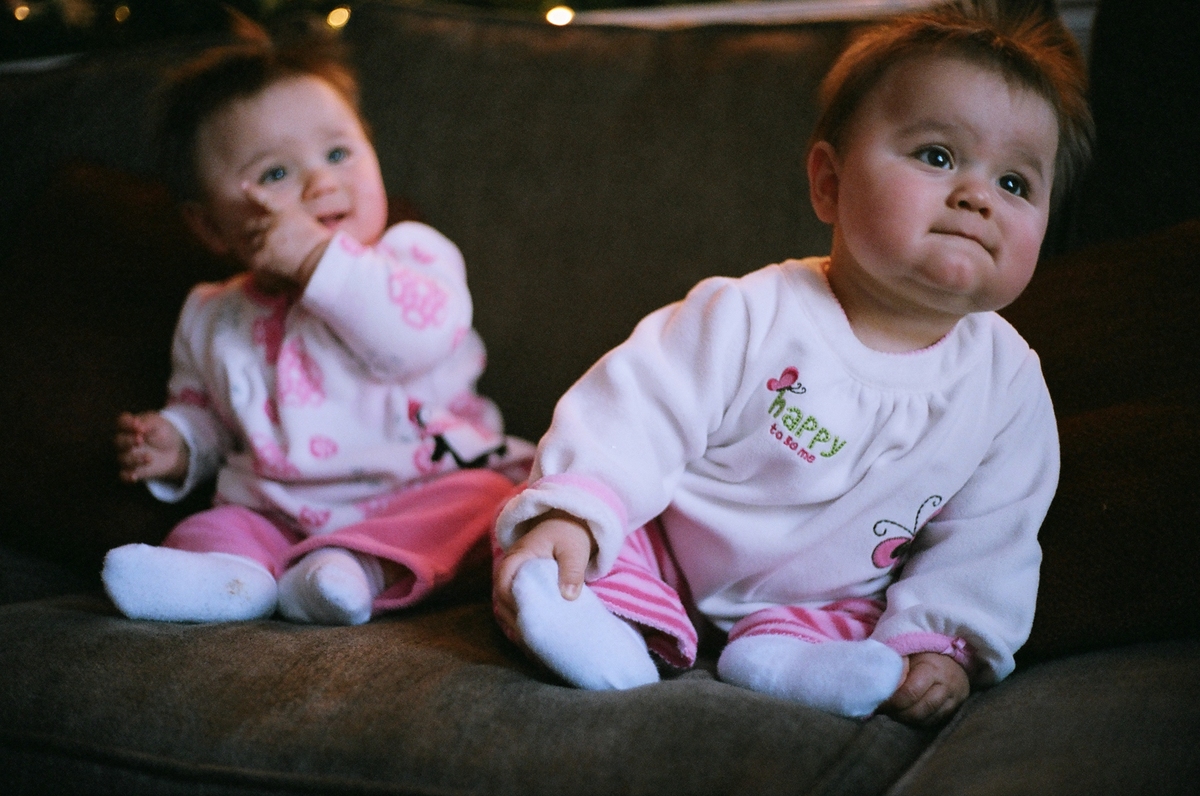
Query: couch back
(589,175)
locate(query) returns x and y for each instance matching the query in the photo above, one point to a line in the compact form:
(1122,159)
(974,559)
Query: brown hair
(224,74)
(1030,49)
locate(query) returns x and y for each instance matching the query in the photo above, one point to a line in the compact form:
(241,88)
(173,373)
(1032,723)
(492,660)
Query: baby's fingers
(132,465)
(572,563)
(506,572)
(260,196)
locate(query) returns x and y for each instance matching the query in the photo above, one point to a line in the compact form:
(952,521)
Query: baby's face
(301,141)
(943,190)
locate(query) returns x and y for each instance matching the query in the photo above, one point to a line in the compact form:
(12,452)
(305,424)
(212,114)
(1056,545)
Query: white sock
(331,586)
(849,678)
(580,639)
(169,585)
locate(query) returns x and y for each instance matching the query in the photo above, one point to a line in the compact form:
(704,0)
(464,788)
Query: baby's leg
(171,585)
(823,658)
(848,678)
(331,586)
(580,640)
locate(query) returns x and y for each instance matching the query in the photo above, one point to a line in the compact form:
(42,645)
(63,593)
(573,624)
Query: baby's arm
(933,687)
(556,535)
(285,242)
(149,447)
(401,306)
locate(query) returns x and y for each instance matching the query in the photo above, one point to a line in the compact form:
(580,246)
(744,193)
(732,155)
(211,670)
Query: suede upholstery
(589,175)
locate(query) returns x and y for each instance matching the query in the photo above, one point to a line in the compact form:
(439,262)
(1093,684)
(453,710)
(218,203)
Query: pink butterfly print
(892,551)
(788,380)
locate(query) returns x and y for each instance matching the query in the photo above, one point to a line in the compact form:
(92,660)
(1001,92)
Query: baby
(841,462)
(329,388)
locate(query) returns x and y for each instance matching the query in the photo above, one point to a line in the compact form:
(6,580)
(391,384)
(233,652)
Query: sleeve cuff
(954,647)
(201,465)
(582,497)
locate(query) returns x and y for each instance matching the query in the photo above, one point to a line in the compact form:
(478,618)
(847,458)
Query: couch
(589,174)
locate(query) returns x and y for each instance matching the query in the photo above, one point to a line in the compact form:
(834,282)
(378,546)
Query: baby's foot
(580,640)
(849,678)
(331,586)
(170,585)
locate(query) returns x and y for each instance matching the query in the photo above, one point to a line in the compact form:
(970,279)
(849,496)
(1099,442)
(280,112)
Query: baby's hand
(149,447)
(934,686)
(283,241)
(556,535)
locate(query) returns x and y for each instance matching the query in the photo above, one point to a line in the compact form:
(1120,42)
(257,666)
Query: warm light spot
(560,15)
(121,13)
(338,17)
(21,12)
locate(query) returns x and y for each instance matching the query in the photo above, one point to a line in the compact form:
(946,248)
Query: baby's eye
(273,174)
(937,156)
(1015,184)
(338,154)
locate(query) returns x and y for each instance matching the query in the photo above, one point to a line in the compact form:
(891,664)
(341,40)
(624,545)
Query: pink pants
(428,529)
(646,588)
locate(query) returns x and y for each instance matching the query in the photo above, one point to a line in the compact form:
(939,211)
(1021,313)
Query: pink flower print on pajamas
(322,447)
(268,330)
(469,406)
(422,256)
(351,246)
(314,519)
(423,458)
(298,377)
(422,300)
(189,397)
(270,461)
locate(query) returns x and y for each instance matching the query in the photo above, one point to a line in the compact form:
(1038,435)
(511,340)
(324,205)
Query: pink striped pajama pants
(645,587)
(430,530)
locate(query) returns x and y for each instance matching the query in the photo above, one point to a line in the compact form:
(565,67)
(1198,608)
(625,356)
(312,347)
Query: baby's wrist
(308,266)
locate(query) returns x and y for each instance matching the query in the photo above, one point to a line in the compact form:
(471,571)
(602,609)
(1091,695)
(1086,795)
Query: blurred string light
(21,12)
(121,13)
(338,17)
(560,15)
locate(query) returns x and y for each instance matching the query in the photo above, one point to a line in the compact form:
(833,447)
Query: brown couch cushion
(431,701)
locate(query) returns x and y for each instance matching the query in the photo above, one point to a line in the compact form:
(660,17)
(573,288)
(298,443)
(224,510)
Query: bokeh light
(338,17)
(560,15)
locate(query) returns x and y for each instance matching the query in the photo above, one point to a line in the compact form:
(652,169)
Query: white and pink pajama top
(792,465)
(308,410)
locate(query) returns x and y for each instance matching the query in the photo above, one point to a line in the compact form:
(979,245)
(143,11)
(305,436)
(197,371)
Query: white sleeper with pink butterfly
(793,467)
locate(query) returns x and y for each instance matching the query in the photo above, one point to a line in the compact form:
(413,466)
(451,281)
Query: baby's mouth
(332,220)
(965,235)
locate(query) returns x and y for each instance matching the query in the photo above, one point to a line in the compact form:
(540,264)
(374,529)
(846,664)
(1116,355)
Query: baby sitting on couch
(330,388)
(841,463)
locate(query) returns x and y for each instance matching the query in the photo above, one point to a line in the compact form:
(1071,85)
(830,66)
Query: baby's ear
(198,220)
(823,180)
